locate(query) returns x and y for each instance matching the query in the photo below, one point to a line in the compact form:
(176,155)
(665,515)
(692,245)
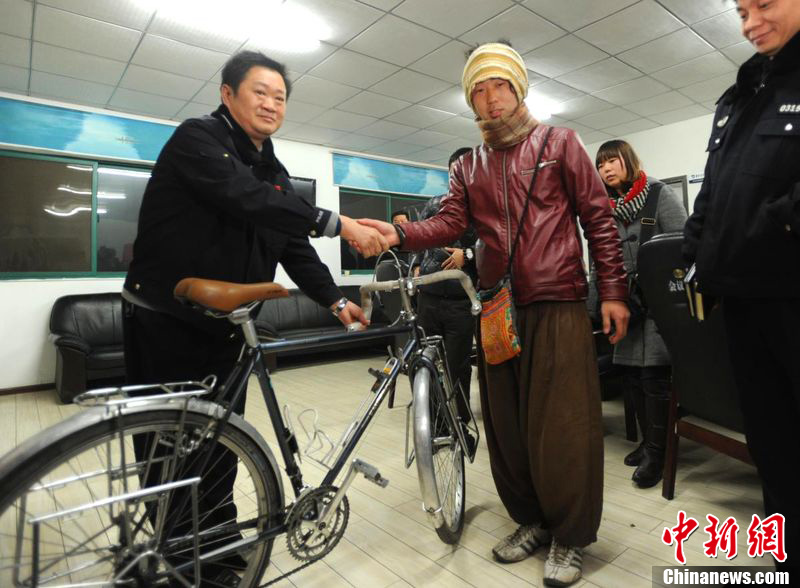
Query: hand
(456,259)
(352,313)
(384,228)
(616,311)
(367,241)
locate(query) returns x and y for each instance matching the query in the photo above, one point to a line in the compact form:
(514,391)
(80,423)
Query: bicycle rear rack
(124,515)
(120,396)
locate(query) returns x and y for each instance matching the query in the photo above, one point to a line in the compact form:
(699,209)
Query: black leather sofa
(87,331)
(298,316)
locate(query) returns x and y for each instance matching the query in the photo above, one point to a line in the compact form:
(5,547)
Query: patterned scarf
(509,130)
(627,208)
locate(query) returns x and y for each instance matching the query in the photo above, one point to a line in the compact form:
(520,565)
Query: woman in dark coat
(642,354)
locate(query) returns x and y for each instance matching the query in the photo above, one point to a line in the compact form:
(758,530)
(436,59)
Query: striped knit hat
(495,60)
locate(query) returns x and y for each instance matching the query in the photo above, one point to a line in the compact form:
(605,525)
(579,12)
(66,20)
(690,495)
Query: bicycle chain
(290,572)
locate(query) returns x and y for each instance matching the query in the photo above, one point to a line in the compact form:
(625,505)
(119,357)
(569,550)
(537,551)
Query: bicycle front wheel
(84,502)
(439,456)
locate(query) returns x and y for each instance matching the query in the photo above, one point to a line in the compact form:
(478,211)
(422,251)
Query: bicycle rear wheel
(70,477)
(439,455)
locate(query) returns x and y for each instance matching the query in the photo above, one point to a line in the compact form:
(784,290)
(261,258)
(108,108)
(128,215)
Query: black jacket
(744,233)
(217,208)
(432,259)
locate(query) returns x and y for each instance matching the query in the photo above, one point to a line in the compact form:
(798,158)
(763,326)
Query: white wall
(673,150)
(27,356)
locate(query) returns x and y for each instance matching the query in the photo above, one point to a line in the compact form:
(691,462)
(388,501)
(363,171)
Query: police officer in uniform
(744,237)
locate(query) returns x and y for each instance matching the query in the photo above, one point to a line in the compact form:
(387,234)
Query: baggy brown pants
(543,423)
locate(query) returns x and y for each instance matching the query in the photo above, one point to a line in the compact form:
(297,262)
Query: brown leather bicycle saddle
(226,296)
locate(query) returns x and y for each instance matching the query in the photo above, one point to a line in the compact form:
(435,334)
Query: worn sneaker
(563,565)
(521,543)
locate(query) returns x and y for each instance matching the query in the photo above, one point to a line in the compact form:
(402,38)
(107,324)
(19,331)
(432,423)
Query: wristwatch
(468,254)
(340,306)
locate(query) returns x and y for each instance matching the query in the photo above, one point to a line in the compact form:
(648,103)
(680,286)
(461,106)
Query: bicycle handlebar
(389,285)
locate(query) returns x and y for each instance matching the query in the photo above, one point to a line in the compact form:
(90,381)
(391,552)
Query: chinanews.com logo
(764,536)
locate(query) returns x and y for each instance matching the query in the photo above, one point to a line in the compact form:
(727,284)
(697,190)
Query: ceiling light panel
(397,41)
(14,78)
(692,11)
(321,92)
(410,85)
(632,91)
(60,61)
(682,45)
(127,13)
(15,51)
(699,69)
(373,104)
(144,103)
(353,69)
(300,61)
(524,29)
(179,58)
(628,28)
(445,63)
(345,18)
(16,17)
(451,17)
(722,30)
(69,89)
(600,75)
(162,83)
(575,14)
(563,56)
(56,27)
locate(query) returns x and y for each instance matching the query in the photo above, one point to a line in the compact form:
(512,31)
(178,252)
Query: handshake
(368,236)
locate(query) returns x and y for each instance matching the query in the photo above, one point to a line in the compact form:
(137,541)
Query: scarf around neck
(509,130)
(626,208)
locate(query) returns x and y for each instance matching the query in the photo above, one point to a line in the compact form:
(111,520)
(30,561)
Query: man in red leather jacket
(541,409)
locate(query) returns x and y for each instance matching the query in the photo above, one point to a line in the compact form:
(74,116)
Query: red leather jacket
(548,263)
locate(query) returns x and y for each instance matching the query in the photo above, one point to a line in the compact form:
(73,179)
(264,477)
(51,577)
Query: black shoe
(634,458)
(650,470)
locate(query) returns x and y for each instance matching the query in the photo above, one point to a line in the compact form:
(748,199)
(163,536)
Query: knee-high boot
(651,469)
(632,383)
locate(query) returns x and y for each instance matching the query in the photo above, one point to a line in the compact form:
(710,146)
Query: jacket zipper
(508,213)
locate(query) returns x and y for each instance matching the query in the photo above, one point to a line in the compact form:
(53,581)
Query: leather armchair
(704,406)
(87,331)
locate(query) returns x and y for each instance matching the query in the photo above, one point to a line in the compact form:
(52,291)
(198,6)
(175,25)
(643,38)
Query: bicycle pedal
(370,472)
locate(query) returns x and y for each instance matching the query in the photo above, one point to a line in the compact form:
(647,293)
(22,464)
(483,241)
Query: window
(379,205)
(47,211)
(66,217)
(119,194)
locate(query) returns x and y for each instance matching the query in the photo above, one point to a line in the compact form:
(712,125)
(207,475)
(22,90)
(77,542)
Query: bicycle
(80,507)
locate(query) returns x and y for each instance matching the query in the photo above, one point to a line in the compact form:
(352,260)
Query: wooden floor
(388,542)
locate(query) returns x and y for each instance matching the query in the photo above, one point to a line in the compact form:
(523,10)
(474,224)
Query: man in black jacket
(744,236)
(220,205)
(444,308)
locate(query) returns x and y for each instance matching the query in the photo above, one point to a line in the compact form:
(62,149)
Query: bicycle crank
(315,524)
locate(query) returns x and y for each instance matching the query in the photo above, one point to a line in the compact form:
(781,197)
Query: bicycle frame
(251,361)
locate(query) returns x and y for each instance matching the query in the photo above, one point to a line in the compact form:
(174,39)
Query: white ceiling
(386,82)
